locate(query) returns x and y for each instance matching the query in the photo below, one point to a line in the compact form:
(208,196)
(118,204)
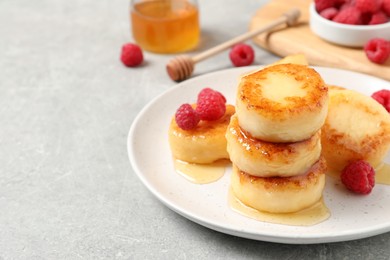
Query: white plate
(352,216)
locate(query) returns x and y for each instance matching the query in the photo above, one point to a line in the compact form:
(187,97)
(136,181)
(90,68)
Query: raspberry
(345,5)
(208,91)
(368,6)
(383,97)
(210,105)
(324,4)
(378,18)
(131,55)
(386,6)
(329,13)
(377,50)
(242,55)
(186,117)
(358,177)
(366,18)
(348,15)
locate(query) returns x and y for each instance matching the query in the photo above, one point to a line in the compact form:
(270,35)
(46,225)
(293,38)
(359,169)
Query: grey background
(67,189)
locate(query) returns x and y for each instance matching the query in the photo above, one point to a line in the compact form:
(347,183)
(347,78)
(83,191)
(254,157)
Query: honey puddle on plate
(201,173)
(382,174)
(307,217)
(207,173)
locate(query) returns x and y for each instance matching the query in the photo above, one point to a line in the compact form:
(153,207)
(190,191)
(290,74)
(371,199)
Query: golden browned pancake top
(308,90)
(365,127)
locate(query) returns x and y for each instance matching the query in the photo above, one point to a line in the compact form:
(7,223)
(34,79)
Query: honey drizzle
(207,173)
(307,217)
(201,173)
(382,174)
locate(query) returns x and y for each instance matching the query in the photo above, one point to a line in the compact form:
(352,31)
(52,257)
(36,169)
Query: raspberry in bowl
(347,25)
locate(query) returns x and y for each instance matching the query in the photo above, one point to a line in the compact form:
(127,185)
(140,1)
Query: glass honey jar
(165,26)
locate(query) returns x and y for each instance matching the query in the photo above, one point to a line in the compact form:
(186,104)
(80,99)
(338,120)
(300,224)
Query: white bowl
(346,34)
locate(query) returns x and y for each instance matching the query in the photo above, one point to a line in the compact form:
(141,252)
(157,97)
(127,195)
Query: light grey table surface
(67,189)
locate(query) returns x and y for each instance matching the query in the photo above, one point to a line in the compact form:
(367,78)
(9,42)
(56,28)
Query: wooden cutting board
(300,39)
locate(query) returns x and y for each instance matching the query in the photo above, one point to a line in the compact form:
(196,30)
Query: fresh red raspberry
(242,55)
(343,2)
(348,15)
(329,13)
(208,91)
(131,55)
(347,4)
(186,117)
(321,5)
(377,50)
(367,6)
(383,97)
(210,105)
(386,7)
(378,18)
(358,177)
(366,18)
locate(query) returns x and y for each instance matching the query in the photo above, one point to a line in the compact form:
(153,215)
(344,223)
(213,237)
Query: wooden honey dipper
(181,67)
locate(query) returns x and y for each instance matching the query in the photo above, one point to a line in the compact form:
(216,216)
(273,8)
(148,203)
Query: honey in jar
(165,26)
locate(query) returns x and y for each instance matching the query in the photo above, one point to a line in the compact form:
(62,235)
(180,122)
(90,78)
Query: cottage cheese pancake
(357,128)
(282,103)
(280,194)
(266,159)
(205,143)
